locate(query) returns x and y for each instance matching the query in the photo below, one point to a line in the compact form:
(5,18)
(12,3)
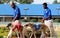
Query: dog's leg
(17,33)
(23,32)
(42,35)
(31,35)
(34,35)
(33,31)
(10,34)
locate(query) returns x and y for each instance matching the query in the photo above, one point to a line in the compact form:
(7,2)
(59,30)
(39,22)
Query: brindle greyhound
(29,28)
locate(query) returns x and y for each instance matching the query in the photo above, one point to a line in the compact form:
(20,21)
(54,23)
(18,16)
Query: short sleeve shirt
(47,13)
(17,12)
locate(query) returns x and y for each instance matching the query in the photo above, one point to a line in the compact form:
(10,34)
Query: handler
(48,21)
(16,24)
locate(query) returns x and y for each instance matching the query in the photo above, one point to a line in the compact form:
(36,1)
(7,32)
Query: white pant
(49,24)
(15,22)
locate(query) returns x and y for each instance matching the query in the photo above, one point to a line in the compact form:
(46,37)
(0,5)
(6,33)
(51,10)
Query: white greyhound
(17,27)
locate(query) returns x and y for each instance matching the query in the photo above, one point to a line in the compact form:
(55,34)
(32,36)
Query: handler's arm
(15,17)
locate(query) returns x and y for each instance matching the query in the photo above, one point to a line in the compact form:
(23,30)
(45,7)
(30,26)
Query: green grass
(4,32)
(58,33)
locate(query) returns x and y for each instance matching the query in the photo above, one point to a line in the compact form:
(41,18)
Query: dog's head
(9,25)
(29,26)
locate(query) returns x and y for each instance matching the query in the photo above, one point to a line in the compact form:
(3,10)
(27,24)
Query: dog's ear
(9,25)
(26,25)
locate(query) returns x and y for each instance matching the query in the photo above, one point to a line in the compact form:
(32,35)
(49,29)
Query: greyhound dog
(34,28)
(15,27)
(44,31)
(29,28)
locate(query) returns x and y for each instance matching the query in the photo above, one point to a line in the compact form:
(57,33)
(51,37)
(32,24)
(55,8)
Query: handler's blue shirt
(47,13)
(17,12)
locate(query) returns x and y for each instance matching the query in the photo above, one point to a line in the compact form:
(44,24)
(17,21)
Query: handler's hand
(42,21)
(13,20)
